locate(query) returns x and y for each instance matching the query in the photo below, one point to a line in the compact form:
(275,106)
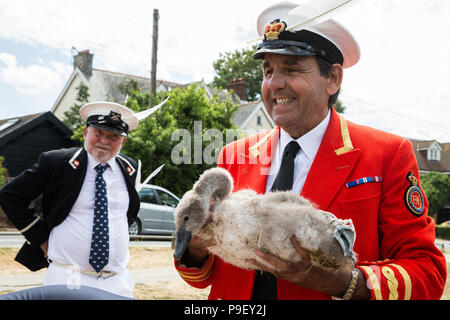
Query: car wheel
(135,228)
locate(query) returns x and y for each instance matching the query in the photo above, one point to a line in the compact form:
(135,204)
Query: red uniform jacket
(359,173)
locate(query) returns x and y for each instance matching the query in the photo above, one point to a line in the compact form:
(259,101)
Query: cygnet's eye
(186,218)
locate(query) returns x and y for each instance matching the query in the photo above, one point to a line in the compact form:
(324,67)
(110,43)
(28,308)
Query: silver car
(156,213)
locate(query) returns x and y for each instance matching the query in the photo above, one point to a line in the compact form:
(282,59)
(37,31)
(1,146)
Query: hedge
(443,232)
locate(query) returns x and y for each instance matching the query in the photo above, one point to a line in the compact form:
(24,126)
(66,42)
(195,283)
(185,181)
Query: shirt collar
(310,141)
(92,162)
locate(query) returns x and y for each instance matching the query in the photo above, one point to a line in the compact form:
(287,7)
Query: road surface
(16,240)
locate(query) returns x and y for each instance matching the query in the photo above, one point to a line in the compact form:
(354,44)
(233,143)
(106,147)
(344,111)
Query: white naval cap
(109,116)
(284,33)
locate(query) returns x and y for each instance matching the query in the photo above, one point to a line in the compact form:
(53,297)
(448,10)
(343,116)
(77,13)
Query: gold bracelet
(352,285)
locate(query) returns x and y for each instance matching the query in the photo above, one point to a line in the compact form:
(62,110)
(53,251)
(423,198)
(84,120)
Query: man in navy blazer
(60,237)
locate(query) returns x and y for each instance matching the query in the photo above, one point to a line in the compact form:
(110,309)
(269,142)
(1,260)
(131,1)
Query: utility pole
(154,55)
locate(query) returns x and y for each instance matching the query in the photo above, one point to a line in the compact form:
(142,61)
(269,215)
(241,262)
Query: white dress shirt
(309,144)
(70,242)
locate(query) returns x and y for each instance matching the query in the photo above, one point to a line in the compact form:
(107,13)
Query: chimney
(239,87)
(83,60)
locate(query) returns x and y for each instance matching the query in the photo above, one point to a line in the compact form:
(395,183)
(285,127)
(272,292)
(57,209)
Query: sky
(401,83)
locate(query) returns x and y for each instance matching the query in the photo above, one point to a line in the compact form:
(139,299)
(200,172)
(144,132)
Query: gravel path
(16,282)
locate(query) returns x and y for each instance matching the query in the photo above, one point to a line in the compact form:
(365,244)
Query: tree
(436,186)
(239,64)
(185,135)
(339,106)
(4,221)
(3,172)
(72,117)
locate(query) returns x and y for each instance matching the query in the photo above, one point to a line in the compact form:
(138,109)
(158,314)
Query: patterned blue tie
(99,255)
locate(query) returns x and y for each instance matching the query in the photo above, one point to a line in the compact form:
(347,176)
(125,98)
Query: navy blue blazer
(58,177)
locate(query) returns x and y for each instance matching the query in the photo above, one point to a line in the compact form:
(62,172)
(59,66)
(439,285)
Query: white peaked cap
(100,110)
(291,14)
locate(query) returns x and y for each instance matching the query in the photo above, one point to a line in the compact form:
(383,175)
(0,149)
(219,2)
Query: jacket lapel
(127,170)
(332,165)
(74,174)
(258,160)
(129,173)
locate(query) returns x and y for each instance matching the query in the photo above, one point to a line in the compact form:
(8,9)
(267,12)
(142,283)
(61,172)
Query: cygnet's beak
(181,242)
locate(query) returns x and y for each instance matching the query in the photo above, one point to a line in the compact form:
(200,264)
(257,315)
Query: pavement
(15,282)
(13,239)
(444,245)
(33,279)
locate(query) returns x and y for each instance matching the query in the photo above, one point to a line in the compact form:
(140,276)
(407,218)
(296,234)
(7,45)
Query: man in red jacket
(352,171)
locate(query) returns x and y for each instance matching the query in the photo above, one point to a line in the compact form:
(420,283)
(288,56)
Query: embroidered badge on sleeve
(414,199)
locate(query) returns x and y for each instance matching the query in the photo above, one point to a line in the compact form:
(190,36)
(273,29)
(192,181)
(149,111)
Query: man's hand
(44,248)
(197,252)
(311,275)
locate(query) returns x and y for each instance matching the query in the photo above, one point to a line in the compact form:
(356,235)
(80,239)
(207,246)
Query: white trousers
(121,284)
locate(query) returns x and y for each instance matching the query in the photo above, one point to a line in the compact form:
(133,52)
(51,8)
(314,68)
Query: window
(147,195)
(258,120)
(434,154)
(167,199)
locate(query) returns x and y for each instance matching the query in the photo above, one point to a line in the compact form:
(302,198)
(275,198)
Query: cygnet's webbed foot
(345,236)
(344,233)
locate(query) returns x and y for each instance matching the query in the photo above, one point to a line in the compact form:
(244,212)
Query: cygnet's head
(193,209)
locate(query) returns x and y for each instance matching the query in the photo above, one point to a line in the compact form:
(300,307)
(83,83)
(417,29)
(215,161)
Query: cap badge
(414,199)
(114,117)
(274,29)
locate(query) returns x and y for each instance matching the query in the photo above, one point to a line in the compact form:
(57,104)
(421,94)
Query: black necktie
(99,254)
(265,286)
(285,176)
